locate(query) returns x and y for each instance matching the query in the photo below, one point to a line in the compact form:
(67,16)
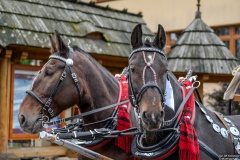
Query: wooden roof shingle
(199,49)
(29,22)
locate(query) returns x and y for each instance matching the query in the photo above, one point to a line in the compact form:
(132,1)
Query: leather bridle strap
(150,85)
(86,113)
(46,106)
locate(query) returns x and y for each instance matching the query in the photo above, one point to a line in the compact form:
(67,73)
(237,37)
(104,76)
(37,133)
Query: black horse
(148,77)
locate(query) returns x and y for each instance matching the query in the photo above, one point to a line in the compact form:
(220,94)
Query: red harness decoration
(188,143)
(124,121)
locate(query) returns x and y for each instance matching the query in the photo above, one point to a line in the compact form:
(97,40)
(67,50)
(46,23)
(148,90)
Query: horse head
(147,77)
(53,90)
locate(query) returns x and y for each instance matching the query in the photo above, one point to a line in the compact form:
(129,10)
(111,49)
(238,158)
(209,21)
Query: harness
(168,145)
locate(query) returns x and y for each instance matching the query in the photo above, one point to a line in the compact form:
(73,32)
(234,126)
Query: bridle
(134,96)
(68,64)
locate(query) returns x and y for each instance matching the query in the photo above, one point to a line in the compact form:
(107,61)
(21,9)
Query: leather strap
(224,123)
(207,150)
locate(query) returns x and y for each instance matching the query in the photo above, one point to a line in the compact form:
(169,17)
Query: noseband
(135,98)
(68,64)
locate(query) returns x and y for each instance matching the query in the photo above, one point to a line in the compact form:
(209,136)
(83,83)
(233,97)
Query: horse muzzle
(28,125)
(152,121)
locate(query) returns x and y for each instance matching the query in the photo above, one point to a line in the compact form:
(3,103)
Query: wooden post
(5,80)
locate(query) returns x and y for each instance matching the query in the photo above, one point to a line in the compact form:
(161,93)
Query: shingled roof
(29,22)
(200,50)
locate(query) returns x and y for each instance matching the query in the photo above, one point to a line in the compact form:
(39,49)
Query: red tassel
(124,142)
(188,143)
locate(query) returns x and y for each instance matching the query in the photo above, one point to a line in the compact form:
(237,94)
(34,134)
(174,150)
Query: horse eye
(132,69)
(48,73)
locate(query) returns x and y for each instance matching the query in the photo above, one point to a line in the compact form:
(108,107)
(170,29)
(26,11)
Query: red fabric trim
(121,95)
(124,121)
(188,143)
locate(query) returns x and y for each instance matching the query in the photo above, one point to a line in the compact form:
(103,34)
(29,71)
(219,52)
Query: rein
(86,113)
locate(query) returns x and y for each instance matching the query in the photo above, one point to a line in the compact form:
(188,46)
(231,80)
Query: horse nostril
(22,119)
(144,115)
(162,114)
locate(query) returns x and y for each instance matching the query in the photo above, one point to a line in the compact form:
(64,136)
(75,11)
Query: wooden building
(24,29)
(200,50)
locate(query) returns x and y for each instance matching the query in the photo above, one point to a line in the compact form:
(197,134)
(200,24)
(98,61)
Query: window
(226,43)
(237,30)
(221,31)
(238,49)
(172,38)
(231,37)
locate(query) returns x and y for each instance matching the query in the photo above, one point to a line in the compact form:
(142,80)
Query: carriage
(164,121)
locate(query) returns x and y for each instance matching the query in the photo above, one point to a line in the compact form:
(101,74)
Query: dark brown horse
(147,80)
(71,77)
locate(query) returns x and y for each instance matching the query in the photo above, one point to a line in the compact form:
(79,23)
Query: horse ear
(61,46)
(160,38)
(53,45)
(136,37)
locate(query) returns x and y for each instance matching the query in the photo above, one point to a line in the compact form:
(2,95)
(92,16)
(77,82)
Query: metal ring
(57,137)
(148,38)
(199,83)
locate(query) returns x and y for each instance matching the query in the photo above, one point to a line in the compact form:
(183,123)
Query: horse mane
(91,59)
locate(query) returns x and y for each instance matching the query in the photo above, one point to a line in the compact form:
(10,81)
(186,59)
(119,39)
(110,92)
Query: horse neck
(100,89)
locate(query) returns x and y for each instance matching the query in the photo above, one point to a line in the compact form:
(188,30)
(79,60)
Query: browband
(147,49)
(58,57)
